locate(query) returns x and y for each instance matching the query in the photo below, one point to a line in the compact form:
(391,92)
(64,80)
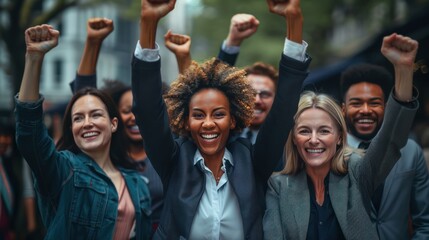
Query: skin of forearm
(403,83)
(183,62)
(29,90)
(88,63)
(294,26)
(148,33)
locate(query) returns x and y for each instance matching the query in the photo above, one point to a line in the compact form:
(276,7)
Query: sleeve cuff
(230,49)
(146,54)
(295,50)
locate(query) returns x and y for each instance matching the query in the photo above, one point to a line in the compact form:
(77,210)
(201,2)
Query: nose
(208,123)
(88,122)
(365,108)
(314,139)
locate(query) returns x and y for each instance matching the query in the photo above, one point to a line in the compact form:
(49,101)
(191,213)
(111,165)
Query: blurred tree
(15,17)
(321,20)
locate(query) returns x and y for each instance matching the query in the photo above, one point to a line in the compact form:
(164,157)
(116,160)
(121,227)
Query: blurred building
(114,62)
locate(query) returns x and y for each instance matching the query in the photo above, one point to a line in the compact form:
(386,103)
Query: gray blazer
(288,198)
(406,193)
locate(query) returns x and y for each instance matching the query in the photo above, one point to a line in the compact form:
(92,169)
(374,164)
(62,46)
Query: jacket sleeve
(49,167)
(419,205)
(384,150)
(230,59)
(82,81)
(151,115)
(272,136)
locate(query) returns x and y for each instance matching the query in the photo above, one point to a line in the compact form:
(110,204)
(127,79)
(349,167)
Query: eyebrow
(360,99)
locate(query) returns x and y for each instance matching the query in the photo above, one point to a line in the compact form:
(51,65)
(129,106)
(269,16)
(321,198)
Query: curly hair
(211,74)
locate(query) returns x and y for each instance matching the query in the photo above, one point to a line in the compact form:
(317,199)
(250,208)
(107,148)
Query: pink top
(126,214)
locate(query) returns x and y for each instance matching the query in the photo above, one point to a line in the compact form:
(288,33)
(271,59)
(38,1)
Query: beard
(365,137)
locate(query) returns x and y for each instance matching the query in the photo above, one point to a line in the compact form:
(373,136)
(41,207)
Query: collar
(353,141)
(227,156)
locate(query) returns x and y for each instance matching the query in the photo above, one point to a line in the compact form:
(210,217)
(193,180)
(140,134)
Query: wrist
(231,42)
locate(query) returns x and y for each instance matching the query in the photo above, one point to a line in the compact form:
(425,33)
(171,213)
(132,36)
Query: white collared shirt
(353,141)
(218,214)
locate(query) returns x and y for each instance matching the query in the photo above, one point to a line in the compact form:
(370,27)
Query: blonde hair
(308,100)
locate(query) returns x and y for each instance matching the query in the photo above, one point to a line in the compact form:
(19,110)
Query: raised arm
(273,133)
(39,40)
(291,11)
(97,30)
(149,107)
(180,45)
(242,26)
(401,52)
(384,150)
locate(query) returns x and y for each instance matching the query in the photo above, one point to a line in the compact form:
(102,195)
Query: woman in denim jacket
(86,189)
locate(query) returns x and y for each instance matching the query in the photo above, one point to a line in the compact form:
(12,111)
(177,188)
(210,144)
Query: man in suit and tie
(405,192)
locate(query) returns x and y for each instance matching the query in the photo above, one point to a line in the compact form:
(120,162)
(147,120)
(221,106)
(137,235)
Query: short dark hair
(119,143)
(365,72)
(263,69)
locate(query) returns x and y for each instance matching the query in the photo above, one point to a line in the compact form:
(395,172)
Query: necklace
(218,175)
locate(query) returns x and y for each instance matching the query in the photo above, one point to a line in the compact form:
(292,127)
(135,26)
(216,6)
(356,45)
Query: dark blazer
(406,193)
(288,198)
(184,183)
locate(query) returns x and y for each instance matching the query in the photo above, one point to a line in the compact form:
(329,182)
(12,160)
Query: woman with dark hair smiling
(87,187)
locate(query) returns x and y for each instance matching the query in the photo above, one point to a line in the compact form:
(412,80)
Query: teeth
(366,121)
(319,150)
(209,136)
(90,134)
(134,128)
(256,111)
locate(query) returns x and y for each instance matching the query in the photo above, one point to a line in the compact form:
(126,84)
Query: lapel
(242,171)
(338,192)
(297,199)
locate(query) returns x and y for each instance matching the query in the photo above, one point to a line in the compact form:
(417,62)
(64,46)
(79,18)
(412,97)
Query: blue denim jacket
(77,200)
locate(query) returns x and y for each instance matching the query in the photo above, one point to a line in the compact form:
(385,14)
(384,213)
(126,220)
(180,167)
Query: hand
(285,8)
(98,29)
(179,44)
(40,39)
(242,26)
(156,9)
(399,50)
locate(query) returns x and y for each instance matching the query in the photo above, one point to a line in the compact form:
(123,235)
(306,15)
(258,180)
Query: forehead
(315,118)
(209,98)
(126,98)
(88,103)
(364,90)
(260,82)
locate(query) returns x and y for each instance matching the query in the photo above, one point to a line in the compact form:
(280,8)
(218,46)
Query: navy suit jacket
(184,182)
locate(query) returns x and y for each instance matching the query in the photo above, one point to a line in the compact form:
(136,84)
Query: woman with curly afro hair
(214,181)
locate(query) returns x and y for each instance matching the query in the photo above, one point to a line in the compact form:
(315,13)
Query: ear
(343,108)
(187,125)
(233,123)
(114,124)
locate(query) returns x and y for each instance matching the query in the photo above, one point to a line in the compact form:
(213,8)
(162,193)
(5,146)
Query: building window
(58,71)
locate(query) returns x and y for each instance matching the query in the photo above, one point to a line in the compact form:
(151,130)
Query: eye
(219,115)
(304,132)
(77,118)
(325,131)
(197,115)
(375,104)
(355,104)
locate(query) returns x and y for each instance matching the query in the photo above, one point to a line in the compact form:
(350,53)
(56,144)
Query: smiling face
(264,98)
(92,127)
(210,122)
(316,137)
(363,109)
(125,105)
